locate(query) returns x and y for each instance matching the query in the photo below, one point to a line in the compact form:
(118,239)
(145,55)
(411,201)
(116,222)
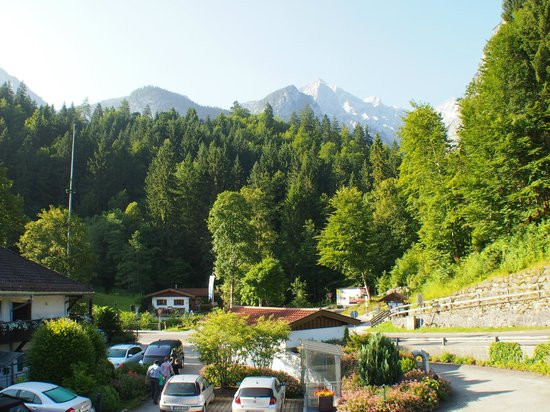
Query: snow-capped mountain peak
(375,101)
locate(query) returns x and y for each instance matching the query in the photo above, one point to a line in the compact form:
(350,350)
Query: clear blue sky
(216,52)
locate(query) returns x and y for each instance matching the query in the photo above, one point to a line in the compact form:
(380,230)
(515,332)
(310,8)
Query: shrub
(106,318)
(407,364)
(128,320)
(349,364)
(265,341)
(129,384)
(414,375)
(104,372)
(56,346)
(447,357)
(97,341)
(502,353)
(542,353)
(356,341)
(80,381)
(145,319)
(110,401)
(379,362)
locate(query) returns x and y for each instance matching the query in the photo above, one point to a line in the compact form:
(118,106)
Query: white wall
(170,302)
(288,362)
(320,334)
(51,306)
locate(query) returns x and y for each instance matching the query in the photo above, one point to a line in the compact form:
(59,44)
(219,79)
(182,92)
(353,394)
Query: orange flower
(323,392)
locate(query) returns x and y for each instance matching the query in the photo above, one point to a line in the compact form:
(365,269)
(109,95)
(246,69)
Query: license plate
(180,408)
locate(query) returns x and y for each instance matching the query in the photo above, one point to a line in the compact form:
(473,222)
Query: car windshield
(157,351)
(181,389)
(60,395)
(256,392)
(116,353)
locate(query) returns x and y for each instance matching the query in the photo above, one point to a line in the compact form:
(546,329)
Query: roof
(18,274)
(393,297)
(37,386)
(7,358)
(190,292)
(294,316)
(124,346)
(184,378)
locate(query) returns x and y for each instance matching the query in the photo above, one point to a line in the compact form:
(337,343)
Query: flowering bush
(129,385)
(321,393)
(417,391)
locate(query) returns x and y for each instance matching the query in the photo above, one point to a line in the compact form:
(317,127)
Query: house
(29,293)
(305,323)
(180,299)
(350,296)
(393,299)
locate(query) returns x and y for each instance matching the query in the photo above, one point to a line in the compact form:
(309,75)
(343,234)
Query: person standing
(176,365)
(153,375)
(166,369)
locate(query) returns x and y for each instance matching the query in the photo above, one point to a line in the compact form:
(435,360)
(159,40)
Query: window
(161,302)
(179,302)
(29,397)
(135,350)
(60,395)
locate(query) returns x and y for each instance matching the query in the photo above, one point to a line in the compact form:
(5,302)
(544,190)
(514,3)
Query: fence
(448,303)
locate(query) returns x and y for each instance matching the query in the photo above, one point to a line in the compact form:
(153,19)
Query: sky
(216,51)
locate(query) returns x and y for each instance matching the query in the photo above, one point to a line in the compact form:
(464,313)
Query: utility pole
(70,192)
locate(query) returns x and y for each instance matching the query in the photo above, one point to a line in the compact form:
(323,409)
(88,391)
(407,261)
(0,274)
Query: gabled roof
(189,292)
(294,316)
(20,275)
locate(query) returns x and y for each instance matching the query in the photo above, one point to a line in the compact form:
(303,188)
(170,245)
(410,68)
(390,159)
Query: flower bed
(417,391)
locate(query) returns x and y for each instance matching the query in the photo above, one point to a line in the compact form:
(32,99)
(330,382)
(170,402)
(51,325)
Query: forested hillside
(284,212)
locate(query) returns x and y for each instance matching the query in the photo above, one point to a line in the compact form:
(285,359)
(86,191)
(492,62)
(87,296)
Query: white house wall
(48,306)
(170,302)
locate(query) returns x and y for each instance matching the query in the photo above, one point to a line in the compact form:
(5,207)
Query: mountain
(335,103)
(285,101)
(450,113)
(15,82)
(161,100)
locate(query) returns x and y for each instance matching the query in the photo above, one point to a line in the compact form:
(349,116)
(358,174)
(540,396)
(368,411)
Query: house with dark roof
(180,300)
(29,294)
(305,323)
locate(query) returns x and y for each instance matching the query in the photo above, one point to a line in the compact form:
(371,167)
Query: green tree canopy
(45,242)
(264,284)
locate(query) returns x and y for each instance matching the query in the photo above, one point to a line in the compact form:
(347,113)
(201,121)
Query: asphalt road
(478,388)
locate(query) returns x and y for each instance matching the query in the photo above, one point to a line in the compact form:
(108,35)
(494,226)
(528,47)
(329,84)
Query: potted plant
(326,399)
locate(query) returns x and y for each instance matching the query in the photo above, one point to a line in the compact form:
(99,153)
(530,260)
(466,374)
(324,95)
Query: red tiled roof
(288,314)
(18,274)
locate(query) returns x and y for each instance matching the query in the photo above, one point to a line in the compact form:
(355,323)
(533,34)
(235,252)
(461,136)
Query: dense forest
(284,212)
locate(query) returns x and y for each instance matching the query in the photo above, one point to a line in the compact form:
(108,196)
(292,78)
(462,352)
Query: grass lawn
(390,328)
(116,299)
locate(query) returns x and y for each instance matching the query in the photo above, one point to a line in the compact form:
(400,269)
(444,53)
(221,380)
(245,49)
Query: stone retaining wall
(530,310)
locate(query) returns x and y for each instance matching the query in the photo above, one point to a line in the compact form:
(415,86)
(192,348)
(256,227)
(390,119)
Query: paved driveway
(478,388)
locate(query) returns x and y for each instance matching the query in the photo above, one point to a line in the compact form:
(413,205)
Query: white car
(124,353)
(259,394)
(186,393)
(47,397)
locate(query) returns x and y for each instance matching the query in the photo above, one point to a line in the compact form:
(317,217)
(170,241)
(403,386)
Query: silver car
(47,397)
(186,393)
(124,353)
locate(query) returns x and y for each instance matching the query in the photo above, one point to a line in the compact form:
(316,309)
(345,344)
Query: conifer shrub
(379,362)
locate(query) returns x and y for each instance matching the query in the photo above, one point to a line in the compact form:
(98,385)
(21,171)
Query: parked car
(161,349)
(124,353)
(186,392)
(47,397)
(9,404)
(259,393)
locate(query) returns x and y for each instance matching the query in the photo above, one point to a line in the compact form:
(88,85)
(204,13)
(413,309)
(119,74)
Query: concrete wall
(529,310)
